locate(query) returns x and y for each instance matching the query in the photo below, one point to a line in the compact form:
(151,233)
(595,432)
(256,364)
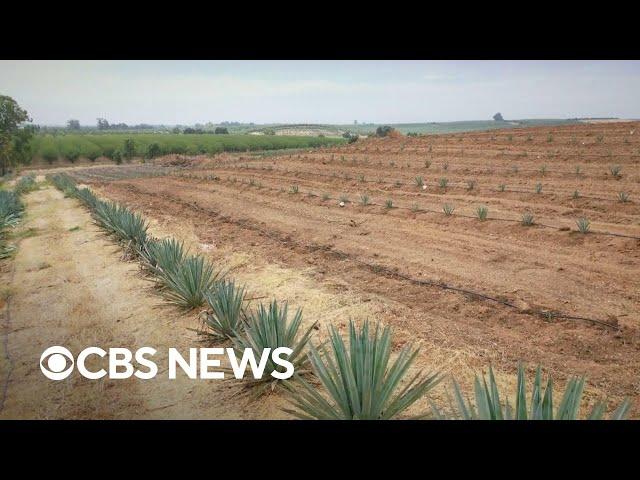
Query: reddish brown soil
(534,277)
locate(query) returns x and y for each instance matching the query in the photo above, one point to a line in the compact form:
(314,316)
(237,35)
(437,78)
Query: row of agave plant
(12,208)
(358,379)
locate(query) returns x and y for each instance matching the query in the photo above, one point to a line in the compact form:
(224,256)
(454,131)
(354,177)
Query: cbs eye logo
(55,367)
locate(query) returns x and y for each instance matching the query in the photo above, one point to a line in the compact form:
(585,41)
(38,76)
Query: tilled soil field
(493,291)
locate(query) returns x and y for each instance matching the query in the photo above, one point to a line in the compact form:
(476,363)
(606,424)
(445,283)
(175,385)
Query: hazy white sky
(188,92)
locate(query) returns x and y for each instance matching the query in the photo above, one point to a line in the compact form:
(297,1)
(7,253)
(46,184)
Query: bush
(383,131)
(153,150)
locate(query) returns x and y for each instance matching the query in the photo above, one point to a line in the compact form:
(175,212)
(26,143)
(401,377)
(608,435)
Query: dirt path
(70,287)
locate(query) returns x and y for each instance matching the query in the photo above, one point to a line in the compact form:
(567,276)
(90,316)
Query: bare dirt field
(470,292)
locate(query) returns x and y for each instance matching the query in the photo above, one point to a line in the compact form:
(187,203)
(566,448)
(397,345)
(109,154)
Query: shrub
(360,380)
(482,213)
(584,225)
(383,131)
(488,404)
(153,150)
(270,328)
(128,149)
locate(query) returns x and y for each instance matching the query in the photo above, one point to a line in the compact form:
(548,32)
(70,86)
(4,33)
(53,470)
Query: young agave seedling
(501,187)
(615,171)
(427,163)
(578,170)
(471,184)
(448,209)
(543,170)
(527,219)
(361,178)
(388,204)
(515,169)
(344,198)
(623,197)
(415,208)
(398,183)
(445,166)
(482,213)
(443,182)
(360,380)
(294,189)
(538,188)
(364,199)
(419,181)
(576,194)
(584,225)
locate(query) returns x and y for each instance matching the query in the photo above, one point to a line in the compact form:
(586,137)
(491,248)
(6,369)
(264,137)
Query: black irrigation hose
(376,268)
(426,210)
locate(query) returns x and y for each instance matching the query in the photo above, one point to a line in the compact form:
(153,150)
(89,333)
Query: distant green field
(73,146)
(454,127)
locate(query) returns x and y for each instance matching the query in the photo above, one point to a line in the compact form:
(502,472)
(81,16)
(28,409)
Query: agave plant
(87,197)
(187,284)
(360,380)
(10,209)
(527,219)
(584,225)
(26,184)
(364,199)
(448,209)
(419,181)
(623,197)
(489,406)
(388,204)
(443,182)
(162,255)
(269,327)
(226,303)
(125,224)
(615,171)
(482,213)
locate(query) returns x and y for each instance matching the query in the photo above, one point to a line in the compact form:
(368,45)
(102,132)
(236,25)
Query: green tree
(11,139)
(73,124)
(129,149)
(153,150)
(221,130)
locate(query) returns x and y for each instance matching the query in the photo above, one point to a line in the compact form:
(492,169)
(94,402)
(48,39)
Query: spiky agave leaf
(270,327)
(360,382)
(226,303)
(489,407)
(126,225)
(162,255)
(187,284)
(10,208)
